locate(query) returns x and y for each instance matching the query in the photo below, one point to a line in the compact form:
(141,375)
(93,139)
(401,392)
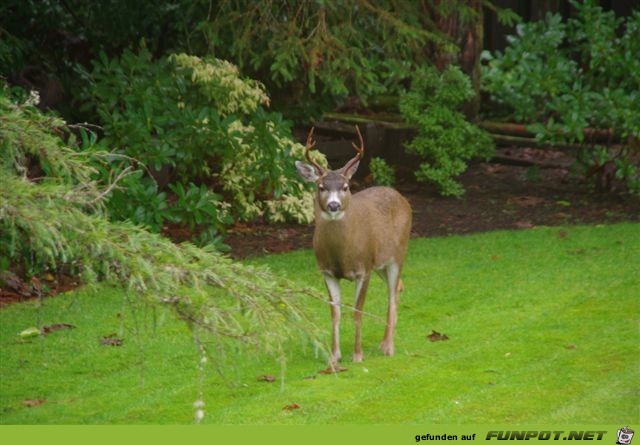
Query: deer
(355,235)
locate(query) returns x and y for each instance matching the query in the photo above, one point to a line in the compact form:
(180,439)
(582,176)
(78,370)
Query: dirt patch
(497,196)
(14,289)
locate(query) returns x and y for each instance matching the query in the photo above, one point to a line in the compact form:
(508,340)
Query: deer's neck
(333,244)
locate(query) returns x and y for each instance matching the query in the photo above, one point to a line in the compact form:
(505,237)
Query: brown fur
(374,231)
(372,236)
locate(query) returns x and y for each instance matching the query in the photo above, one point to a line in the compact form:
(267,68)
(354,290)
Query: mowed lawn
(542,327)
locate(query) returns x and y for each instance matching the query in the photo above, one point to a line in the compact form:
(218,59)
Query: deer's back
(374,232)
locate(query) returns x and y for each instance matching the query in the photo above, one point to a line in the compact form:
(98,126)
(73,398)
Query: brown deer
(355,235)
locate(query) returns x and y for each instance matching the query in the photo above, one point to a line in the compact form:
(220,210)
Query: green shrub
(137,198)
(196,207)
(531,72)
(445,139)
(564,77)
(203,137)
(382,172)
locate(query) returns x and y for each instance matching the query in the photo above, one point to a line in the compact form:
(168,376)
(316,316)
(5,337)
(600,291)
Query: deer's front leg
(362,283)
(333,286)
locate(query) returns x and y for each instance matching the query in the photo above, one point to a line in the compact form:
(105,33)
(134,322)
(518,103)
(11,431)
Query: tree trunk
(468,37)
(470,57)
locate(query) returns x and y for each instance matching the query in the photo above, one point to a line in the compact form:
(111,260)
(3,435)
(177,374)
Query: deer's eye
(345,187)
(321,187)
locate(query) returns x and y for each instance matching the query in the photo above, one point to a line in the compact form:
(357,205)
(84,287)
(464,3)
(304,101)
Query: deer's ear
(352,170)
(308,172)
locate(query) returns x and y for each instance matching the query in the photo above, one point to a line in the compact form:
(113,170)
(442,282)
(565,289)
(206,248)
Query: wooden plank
(387,120)
(509,128)
(336,128)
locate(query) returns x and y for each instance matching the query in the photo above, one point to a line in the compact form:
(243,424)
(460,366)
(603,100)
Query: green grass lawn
(542,326)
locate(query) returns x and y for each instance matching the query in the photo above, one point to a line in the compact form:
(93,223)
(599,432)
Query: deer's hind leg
(391,275)
(361,291)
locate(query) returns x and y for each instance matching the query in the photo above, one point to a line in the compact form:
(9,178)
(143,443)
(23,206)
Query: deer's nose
(333,206)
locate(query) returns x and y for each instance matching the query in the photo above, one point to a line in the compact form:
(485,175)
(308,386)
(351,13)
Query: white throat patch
(332,216)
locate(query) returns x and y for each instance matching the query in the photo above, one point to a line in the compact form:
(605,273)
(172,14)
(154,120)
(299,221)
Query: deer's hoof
(358,357)
(387,347)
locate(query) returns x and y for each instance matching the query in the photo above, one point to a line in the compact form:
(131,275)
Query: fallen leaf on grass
(56,327)
(562,234)
(333,370)
(33,403)
(29,332)
(291,407)
(570,347)
(524,224)
(266,378)
(437,336)
(111,340)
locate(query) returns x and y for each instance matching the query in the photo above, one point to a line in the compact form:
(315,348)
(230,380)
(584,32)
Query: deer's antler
(360,152)
(309,146)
